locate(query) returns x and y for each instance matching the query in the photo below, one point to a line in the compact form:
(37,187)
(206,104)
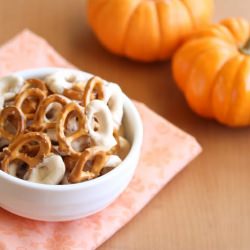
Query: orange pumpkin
(212,68)
(146,30)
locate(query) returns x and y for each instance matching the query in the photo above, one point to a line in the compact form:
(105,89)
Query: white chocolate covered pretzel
(50,171)
(114,98)
(10,86)
(99,124)
(61,80)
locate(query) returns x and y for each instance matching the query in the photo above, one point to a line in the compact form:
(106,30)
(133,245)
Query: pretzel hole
(110,103)
(72,123)
(94,95)
(53,111)
(95,124)
(30,105)
(18,168)
(81,143)
(30,149)
(51,132)
(88,165)
(11,124)
(54,143)
(3,143)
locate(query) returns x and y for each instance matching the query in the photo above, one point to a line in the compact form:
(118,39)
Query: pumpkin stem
(246,49)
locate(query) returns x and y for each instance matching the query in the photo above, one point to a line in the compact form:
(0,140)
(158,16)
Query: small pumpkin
(146,30)
(212,68)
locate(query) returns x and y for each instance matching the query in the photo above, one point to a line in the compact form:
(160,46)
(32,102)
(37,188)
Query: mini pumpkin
(212,68)
(146,30)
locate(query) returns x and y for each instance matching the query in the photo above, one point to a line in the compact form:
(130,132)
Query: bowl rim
(135,147)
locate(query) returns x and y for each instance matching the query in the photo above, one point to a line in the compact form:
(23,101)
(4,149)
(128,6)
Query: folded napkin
(166,150)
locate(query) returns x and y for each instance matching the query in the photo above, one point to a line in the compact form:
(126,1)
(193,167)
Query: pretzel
(79,174)
(111,94)
(70,161)
(50,171)
(3,143)
(14,151)
(94,89)
(41,122)
(29,106)
(10,86)
(112,162)
(124,147)
(31,149)
(16,118)
(35,83)
(65,140)
(61,80)
(37,95)
(75,92)
(114,100)
(103,134)
(116,147)
(17,169)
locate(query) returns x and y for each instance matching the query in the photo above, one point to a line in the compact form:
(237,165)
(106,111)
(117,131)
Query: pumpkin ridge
(123,46)
(190,13)
(146,30)
(180,30)
(233,32)
(172,16)
(215,83)
(210,110)
(235,83)
(201,51)
(223,88)
(159,28)
(233,35)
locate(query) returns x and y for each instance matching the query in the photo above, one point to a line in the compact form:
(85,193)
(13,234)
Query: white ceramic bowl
(68,202)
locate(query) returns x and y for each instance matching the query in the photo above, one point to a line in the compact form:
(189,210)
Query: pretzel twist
(10,86)
(98,158)
(26,96)
(115,103)
(70,161)
(50,171)
(14,151)
(94,89)
(41,122)
(65,140)
(115,149)
(76,92)
(35,83)
(17,119)
(100,124)
(30,106)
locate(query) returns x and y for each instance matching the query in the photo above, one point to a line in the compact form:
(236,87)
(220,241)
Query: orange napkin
(166,150)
